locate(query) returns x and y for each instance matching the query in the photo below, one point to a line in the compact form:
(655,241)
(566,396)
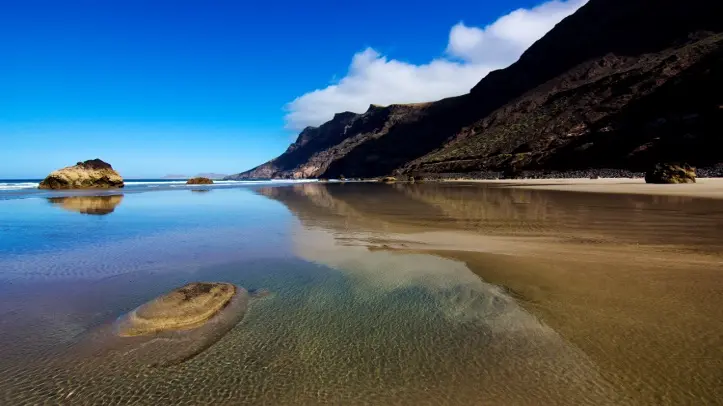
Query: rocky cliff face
(619,84)
(318,148)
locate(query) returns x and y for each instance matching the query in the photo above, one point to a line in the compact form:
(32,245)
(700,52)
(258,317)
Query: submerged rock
(187,307)
(199,181)
(173,327)
(90,174)
(671,173)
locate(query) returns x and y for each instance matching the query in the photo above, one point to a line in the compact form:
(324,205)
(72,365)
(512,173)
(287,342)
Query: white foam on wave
(18,185)
(153,182)
(176,183)
(11,186)
(182,184)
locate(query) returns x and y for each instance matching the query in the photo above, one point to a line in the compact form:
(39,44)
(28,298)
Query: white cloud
(374,79)
(471,53)
(503,41)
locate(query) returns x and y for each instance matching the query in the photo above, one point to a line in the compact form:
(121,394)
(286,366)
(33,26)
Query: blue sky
(158,87)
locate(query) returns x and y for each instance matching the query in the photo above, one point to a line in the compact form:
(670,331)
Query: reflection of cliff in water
(495,210)
(366,207)
(594,269)
(503,342)
(97,205)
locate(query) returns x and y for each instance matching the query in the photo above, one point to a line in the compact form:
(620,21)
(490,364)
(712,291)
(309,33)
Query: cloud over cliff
(471,53)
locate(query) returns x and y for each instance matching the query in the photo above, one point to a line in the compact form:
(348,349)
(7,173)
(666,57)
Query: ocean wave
(182,183)
(153,182)
(7,188)
(18,185)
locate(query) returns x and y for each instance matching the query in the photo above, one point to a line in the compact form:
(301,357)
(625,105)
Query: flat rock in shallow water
(171,328)
(185,308)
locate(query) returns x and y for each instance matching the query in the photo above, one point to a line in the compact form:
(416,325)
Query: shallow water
(23,188)
(381,294)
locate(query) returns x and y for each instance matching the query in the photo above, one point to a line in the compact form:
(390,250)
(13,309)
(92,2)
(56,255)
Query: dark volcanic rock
(671,173)
(91,174)
(620,84)
(199,181)
(94,164)
(318,150)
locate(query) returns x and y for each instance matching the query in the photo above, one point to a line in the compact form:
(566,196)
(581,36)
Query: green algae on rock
(671,173)
(91,174)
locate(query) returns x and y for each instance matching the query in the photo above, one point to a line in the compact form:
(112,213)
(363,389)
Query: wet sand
(635,282)
(704,187)
(653,329)
(432,293)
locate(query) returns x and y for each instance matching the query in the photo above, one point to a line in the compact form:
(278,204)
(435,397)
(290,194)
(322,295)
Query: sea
(21,188)
(378,294)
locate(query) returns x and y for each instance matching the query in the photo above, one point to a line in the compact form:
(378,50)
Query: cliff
(318,148)
(618,84)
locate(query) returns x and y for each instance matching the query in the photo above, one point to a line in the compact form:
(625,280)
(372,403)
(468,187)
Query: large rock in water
(671,173)
(91,174)
(200,180)
(170,328)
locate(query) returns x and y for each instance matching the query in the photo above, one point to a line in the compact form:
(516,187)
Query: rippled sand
(634,281)
(433,334)
(459,294)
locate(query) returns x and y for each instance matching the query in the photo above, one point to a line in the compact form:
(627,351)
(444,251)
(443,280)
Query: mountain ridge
(618,84)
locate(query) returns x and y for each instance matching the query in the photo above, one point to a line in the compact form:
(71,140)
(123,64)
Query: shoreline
(24,190)
(708,187)
(711,188)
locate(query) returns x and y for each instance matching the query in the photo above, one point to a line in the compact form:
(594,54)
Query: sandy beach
(426,293)
(704,187)
(632,279)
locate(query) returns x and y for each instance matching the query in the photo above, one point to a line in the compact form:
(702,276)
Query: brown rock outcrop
(199,181)
(91,174)
(670,173)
